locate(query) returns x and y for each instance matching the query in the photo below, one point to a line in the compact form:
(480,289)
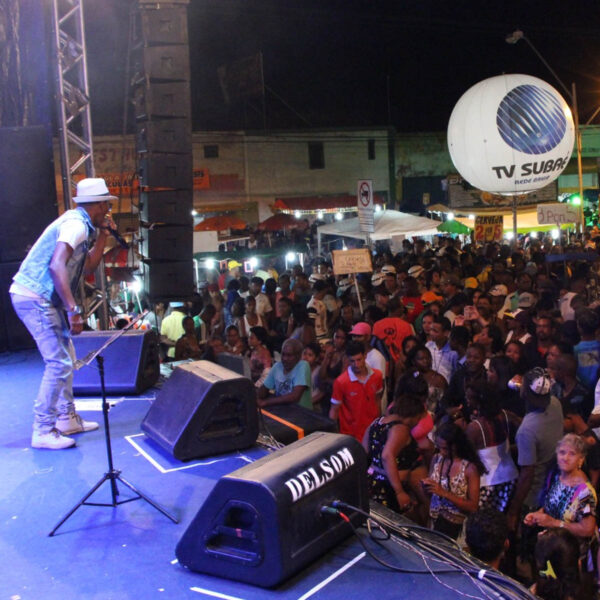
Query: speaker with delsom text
(263,522)
(131,363)
(203,409)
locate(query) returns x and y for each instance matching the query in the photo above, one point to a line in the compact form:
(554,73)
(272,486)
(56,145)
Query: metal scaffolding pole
(74,110)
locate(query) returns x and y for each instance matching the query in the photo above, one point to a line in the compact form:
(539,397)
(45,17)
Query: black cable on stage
(344,517)
(411,526)
(382,562)
(499,582)
(463,564)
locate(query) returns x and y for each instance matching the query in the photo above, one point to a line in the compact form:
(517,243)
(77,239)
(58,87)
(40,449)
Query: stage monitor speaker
(168,207)
(169,280)
(288,423)
(131,363)
(201,410)
(168,242)
(167,135)
(166,170)
(27,187)
(13,334)
(263,522)
(162,100)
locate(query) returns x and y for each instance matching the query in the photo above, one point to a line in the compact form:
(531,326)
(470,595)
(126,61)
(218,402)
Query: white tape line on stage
(308,594)
(162,469)
(214,594)
(333,576)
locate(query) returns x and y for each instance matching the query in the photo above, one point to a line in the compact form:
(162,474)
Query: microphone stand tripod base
(113,475)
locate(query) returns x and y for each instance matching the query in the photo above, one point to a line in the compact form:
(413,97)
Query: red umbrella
(220,223)
(280,221)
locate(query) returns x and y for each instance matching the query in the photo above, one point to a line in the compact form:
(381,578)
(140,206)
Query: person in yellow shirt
(171,328)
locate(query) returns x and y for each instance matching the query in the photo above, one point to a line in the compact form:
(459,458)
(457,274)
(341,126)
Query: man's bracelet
(76,310)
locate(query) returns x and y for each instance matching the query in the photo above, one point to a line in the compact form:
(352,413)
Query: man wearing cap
(378,278)
(234,271)
(42,294)
(517,323)
(536,439)
(498,295)
(418,272)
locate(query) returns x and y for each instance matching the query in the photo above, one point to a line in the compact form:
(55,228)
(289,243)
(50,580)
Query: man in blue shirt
(289,380)
(42,294)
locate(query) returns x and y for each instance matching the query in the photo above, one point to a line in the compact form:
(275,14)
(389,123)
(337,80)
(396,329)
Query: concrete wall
(252,170)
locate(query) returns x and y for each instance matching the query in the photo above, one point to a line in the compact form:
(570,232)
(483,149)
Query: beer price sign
(488,228)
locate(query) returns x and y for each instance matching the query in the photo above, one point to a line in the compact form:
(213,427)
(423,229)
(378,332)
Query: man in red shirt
(356,397)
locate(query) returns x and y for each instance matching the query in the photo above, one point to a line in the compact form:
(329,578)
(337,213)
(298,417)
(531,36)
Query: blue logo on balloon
(531,120)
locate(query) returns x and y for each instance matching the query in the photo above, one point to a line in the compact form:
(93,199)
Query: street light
(513,38)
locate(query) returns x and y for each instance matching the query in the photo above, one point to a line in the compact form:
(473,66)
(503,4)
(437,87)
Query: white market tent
(388,224)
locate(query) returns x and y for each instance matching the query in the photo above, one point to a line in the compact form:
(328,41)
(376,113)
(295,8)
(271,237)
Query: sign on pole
(364,202)
(488,228)
(557,213)
(357,260)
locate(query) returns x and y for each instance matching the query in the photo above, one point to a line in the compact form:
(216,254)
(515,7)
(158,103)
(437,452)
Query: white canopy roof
(388,223)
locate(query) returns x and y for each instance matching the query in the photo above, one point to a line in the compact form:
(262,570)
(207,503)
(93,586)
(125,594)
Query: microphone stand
(113,475)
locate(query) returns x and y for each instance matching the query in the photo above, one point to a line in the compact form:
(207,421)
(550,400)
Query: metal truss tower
(72,94)
(75,122)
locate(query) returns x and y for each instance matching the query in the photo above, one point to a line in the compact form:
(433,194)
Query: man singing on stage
(42,294)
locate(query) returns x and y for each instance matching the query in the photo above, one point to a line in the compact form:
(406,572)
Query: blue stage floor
(128,552)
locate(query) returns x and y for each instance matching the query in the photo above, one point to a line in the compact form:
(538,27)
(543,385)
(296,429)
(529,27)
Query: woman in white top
(489,431)
(250,318)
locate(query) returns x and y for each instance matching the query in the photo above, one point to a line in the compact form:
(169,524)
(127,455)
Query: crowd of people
(469,374)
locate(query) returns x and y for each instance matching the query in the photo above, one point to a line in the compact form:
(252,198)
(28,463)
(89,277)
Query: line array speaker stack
(162,106)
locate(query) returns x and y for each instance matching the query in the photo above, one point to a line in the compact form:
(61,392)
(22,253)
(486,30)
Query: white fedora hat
(92,189)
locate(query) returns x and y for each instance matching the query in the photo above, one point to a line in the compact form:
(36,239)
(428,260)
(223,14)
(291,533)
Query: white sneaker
(73,423)
(52,440)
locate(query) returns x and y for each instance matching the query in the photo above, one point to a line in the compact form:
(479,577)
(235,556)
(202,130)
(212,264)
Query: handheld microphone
(118,237)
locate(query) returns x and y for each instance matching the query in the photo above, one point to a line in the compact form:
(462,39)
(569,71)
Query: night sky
(333,61)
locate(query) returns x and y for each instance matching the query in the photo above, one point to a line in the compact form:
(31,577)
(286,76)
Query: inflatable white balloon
(511,134)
